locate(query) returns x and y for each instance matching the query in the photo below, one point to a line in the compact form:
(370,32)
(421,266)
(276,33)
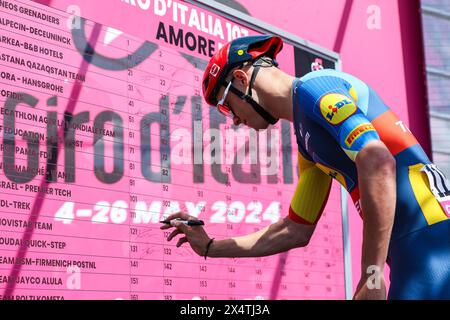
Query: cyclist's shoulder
(329,77)
(324,73)
(321,73)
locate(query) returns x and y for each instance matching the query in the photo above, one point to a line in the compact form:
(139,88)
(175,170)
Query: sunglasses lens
(222,105)
(225,110)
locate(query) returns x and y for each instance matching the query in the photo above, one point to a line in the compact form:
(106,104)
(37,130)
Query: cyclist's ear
(241,77)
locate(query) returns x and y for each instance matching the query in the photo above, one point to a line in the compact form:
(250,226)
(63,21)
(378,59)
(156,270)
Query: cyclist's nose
(236,121)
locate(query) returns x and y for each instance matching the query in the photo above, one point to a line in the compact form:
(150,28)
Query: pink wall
(103,193)
(382,57)
(390,58)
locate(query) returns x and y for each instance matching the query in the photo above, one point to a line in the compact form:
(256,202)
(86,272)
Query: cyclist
(344,131)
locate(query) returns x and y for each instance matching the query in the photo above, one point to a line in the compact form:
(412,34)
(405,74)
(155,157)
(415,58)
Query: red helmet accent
(234,54)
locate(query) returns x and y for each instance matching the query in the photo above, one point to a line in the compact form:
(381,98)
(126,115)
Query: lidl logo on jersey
(357,132)
(336,108)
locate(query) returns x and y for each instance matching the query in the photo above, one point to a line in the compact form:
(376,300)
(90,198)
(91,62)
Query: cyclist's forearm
(276,238)
(377,186)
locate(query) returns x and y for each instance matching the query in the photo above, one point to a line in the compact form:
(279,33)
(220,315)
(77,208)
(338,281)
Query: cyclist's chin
(264,125)
(260,125)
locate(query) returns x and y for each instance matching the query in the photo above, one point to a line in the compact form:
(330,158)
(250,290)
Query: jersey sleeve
(337,111)
(311,194)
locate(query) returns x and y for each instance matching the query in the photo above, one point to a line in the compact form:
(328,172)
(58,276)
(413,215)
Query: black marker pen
(187,222)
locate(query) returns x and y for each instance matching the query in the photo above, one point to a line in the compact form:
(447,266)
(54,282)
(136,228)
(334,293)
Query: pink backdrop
(91,231)
(97,118)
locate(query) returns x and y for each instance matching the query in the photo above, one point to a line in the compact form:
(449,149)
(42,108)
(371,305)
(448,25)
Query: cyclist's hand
(195,235)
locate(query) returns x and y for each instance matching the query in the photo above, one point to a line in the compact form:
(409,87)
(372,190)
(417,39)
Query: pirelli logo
(359,130)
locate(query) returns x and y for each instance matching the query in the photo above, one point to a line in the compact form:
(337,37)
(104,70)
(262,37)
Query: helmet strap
(256,106)
(253,78)
(248,97)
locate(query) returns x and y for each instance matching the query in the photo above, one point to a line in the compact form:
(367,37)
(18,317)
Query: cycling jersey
(335,116)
